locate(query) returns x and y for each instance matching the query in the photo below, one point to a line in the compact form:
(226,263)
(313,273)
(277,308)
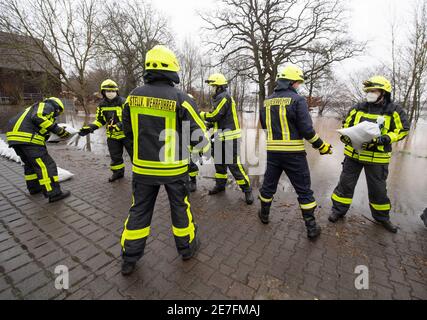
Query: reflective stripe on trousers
(376,177)
(138,224)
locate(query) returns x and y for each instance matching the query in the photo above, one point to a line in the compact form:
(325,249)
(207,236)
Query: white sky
(370,20)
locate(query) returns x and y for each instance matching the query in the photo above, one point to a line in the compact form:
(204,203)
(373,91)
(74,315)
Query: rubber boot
(335,217)
(264,212)
(59,197)
(313,229)
(193,251)
(216,190)
(249,197)
(117,175)
(390,227)
(128,268)
(34,192)
(192,185)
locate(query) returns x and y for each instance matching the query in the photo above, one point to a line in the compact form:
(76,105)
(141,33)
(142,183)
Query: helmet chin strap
(380,98)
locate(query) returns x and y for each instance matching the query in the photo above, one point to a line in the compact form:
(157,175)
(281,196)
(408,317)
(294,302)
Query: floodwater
(407,183)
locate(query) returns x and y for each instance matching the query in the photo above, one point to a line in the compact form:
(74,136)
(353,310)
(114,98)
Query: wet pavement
(239,258)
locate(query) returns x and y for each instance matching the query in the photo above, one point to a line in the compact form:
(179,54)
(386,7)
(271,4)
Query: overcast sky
(370,20)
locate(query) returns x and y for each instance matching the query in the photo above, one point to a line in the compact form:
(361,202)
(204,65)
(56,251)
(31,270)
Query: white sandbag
(363,132)
(69,128)
(9,153)
(64,175)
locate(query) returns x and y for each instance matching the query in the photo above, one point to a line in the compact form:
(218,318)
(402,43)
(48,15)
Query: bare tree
(417,54)
(320,58)
(263,34)
(189,57)
(131,28)
(63,32)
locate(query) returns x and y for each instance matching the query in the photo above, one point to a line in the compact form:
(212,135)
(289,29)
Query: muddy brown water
(407,183)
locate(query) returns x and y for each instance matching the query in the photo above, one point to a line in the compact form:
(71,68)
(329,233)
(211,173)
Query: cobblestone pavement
(239,257)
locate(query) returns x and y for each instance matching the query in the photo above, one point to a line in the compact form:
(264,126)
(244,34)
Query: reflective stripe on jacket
(33,125)
(110,113)
(287,121)
(224,117)
(162,122)
(396,126)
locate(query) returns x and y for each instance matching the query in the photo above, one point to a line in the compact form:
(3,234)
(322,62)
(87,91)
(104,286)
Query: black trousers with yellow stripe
(296,167)
(376,177)
(227,156)
(41,173)
(137,226)
(115,147)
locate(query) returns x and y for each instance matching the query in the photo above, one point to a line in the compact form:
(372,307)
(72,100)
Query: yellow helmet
(58,102)
(377,82)
(109,85)
(161,58)
(291,72)
(217,79)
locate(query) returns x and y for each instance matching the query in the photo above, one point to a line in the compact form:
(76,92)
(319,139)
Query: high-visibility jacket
(396,126)
(164,124)
(33,125)
(287,121)
(110,113)
(224,117)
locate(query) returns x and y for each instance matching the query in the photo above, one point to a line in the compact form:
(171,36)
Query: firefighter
(376,154)
(110,113)
(27,135)
(287,122)
(225,122)
(164,124)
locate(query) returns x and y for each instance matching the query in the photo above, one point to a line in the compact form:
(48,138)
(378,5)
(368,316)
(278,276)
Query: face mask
(372,97)
(111,95)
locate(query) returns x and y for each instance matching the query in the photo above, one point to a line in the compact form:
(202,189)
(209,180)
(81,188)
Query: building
(26,74)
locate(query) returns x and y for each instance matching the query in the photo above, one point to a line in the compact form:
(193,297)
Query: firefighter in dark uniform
(376,154)
(110,113)
(227,134)
(27,135)
(164,124)
(287,122)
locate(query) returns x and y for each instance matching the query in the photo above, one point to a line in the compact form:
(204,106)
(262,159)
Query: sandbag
(64,175)
(363,132)
(9,153)
(69,128)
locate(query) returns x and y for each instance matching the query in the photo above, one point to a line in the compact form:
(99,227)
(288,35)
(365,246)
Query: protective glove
(85,131)
(64,134)
(383,140)
(380,141)
(346,140)
(325,149)
(113,128)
